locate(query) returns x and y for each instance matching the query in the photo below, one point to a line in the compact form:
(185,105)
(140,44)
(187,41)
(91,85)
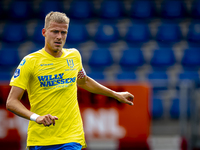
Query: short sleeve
(22,73)
(81,74)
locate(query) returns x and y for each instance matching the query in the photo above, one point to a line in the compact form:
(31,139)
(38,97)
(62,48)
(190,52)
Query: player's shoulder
(72,51)
(33,56)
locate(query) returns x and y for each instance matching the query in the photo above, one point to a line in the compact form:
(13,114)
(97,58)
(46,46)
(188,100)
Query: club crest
(17,73)
(70,63)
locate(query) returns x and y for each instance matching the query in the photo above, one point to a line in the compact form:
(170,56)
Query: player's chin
(57,48)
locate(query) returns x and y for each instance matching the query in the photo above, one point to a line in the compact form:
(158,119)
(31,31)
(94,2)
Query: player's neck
(54,53)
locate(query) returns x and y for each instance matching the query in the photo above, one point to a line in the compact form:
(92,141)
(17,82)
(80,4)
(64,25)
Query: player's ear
(44,32)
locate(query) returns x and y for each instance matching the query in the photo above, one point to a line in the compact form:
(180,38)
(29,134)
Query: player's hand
(125,97)
(46,120)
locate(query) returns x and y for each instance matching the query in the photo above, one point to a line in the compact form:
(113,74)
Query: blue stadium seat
(106,33)
(77,33)
(175,108)
(157,109)
(126,76)
(111,9)
(189,75)
(169,32)
(96,75)
(131,59)
(158,80)
(35,47)
(192,76)
(173,9)
(20,10)
(5,76)
(162,59)
(194,33)
(142,9)
(9,59)
(81,9)
(37,35)
(100,59)
(138,32)
(47,6)
(14,32)
(191,59)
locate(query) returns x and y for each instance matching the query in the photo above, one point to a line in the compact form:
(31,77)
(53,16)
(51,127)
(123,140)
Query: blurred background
(153,42)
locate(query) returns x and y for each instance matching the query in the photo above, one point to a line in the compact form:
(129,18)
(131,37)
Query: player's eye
(55,31)
(63,32)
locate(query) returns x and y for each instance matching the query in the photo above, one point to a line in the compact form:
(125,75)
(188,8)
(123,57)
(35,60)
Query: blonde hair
(55,17)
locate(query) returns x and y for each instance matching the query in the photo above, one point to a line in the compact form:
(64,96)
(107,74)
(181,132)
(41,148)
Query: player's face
(55,36)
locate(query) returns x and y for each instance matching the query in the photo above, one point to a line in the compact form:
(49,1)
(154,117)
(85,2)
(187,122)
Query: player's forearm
(16,107)
(97,88)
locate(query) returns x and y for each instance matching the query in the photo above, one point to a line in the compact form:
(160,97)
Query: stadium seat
(131,59)
(81,9)
(106,33)
(96,75)
(5,76)
(142,9)
(14,33)
(169,32)
(157,109)
(191,59)
(77,33)
(162,59)
(173,9)
(9,59)
(192,76)
(138,32)
(47,6)
(35,47)
(175,108)
(111,9)
(194,33)
(158,80)
(100,59)
(126,76)
(37,36)
(189,75)
(20,10)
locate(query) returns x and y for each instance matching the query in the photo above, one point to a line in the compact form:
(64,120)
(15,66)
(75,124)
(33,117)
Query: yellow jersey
(52,89)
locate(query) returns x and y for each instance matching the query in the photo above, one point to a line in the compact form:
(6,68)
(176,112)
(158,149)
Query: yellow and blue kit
(52,89)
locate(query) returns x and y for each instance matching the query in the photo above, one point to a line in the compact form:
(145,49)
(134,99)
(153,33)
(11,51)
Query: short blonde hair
(55,17)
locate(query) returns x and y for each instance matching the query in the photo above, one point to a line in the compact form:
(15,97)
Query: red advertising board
(105,120)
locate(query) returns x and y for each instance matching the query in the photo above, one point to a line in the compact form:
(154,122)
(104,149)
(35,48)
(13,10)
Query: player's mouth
(58,43)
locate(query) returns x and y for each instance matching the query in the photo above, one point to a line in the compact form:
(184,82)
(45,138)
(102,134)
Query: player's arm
(92,86)
(14,105)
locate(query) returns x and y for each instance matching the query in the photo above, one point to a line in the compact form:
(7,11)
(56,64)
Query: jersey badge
(17,73)
(70,63)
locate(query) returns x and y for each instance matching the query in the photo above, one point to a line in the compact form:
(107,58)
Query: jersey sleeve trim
(17,85)
(81,74)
